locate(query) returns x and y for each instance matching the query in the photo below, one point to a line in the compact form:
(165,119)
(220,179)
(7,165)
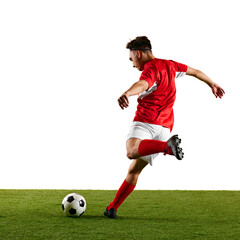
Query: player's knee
(132,148)
(130,154)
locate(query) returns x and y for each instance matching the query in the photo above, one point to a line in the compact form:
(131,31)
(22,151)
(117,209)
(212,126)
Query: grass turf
(37,214)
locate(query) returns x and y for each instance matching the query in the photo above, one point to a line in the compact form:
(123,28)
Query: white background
(63,65)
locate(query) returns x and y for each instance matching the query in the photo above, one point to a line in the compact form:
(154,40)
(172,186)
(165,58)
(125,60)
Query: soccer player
(150,131)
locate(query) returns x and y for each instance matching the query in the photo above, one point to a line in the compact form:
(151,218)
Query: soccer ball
(74,205)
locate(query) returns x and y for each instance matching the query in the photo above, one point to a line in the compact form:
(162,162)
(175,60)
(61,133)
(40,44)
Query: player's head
(140,51)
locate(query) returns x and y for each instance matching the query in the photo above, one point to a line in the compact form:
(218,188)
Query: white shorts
(149,131)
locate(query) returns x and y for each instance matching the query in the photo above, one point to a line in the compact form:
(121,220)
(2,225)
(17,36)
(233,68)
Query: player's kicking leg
(137,148)
(126,188)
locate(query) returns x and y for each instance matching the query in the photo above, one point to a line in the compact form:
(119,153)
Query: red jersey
(155,105)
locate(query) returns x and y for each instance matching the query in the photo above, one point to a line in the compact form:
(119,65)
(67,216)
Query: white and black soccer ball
(74,205)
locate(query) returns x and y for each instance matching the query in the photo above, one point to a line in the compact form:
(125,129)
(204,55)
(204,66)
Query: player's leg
(132,146)
(134,170)
(126,188)
(137,148)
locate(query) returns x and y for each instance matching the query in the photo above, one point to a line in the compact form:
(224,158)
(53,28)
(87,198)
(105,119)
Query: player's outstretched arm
(136,88)
(216,89)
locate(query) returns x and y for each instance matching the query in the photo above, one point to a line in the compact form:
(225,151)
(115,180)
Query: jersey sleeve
(180,69)
(149,76)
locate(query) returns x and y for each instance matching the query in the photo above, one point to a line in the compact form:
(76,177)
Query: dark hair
(139,43)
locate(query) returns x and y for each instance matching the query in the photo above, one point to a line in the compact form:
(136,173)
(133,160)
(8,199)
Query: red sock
(122,193)
(148,147)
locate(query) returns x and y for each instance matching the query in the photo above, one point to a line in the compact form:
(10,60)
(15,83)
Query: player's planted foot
(111,213)
(173,148)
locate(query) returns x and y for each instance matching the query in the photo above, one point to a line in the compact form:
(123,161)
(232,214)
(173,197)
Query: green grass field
(37,214)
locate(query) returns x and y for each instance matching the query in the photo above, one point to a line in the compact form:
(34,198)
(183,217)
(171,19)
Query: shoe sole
(174,143)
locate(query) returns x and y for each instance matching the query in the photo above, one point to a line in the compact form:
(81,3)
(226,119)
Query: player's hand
(123,101)
(217,90)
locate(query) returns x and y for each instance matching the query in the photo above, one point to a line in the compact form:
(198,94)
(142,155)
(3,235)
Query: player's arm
(137,88)
(216,89)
